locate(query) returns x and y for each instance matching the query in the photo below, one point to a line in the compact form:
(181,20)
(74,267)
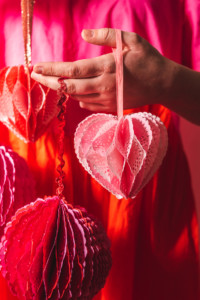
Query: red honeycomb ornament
(16,185)
(54,251)
(26,107)
(51,250)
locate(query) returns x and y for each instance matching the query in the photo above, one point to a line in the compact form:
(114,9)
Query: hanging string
(61,117)
(118,54)
(27,20)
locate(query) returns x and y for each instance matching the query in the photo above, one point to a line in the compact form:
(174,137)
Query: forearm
(182,92)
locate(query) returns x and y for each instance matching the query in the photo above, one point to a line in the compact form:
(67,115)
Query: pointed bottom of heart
(122,155)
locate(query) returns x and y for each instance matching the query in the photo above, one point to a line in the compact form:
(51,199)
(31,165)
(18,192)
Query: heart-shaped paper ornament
(51,250)
(26,107)
(16,185)
(122,153)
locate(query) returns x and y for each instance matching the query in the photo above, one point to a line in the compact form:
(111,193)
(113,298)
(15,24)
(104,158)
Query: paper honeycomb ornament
(122,153)
(26,107)
(16,185)
(54,251)
(51,250)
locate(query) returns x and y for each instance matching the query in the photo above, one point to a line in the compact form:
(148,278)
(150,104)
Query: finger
(94,107)
(97,98)
(104,84)
(97,107)
(49,81)
(106,36)
(79,69)
(75,86)
(89,98)
(82,86)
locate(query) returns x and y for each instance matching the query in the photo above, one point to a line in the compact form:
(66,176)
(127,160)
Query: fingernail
(38,69)
(87,33)
(34,75)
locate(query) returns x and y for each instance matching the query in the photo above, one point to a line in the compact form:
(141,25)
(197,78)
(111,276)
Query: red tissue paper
(51,250)
(121,154)
(16,185)
(26,107)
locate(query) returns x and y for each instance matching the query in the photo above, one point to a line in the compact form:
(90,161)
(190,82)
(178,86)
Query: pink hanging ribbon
(118,54)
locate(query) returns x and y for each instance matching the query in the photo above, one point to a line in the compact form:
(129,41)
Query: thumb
(106,37)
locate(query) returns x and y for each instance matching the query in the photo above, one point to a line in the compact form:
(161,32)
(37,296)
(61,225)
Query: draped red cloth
(154,238)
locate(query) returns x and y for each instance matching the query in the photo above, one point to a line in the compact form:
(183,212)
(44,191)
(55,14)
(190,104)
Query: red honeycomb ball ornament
(26,107)
(16,185)
(51,250)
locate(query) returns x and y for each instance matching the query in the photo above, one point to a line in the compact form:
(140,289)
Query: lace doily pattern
(26,107)
(122,155)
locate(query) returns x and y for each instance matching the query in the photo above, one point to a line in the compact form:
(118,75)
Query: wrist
(168,82)
(182,91)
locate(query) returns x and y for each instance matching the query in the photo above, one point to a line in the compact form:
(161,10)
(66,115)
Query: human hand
(92,82)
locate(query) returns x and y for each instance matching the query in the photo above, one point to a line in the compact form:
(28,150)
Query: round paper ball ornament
(51,250)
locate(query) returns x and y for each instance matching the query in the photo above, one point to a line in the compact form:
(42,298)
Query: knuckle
(51,70)
(74,71)
(135,38)
(109,68)
(105,34)
(108,89)
(71,88)
(108,85)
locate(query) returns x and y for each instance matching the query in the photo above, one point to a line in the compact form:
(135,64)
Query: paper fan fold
(26,107)
(122,155)
(51,250)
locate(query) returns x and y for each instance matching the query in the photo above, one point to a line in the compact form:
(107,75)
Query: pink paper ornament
(16,185)
(26,107)
(54,251)
(122,153)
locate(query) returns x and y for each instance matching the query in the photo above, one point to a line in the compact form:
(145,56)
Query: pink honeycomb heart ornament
(122,155)
(16,185)
(51,250)
(26,107)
